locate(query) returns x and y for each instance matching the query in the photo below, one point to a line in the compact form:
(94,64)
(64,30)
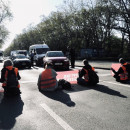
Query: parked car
(20,60)
(58,60)
(15,52)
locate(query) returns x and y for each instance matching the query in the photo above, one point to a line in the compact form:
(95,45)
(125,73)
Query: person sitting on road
(84,72)
(9,79)
(47,79)
(123,73)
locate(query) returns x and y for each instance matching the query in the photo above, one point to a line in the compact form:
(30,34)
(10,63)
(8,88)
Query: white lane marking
(103,74)
(24,82)
(126,85)
(56,117)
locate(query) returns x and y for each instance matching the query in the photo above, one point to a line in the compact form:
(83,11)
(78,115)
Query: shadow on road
(60,96)
(107,90)
(98,87)
(10,108)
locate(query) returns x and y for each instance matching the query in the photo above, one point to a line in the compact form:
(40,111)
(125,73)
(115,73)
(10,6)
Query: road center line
(104,74)
(126,85)
(23,82)
(56,117)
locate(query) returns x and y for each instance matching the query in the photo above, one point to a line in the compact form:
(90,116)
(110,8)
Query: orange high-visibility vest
(47,80)
(86,77)
(93,68)
(6,75)
(124,75)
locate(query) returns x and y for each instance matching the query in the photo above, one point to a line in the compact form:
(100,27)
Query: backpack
(12,80)
(65,84)
(93,77)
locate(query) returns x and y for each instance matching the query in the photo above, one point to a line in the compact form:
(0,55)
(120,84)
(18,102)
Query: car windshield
(42,50)
(21,56)
(1,54)
(24,53)
(55,54)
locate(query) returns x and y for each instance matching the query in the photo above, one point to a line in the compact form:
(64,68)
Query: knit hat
(85,62)
(8,62)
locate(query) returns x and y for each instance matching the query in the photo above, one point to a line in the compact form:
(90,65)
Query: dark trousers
(32,61)
(118,79)
(81,81)
(11,91)
(72,62)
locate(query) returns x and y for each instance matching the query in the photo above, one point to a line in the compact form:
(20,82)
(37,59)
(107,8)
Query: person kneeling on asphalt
(9,79)
(47,79)
(89,74)
(123,73)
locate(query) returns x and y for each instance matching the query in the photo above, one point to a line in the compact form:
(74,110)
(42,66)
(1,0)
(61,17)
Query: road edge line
(58,119)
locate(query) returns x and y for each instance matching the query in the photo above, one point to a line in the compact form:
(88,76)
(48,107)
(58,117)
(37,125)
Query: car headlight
(66,60)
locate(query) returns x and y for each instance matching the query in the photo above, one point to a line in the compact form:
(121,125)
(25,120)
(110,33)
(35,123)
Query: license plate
(58,63)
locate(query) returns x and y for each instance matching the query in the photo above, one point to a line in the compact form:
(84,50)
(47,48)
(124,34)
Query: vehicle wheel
(29,66)
(67,68)
(37,63)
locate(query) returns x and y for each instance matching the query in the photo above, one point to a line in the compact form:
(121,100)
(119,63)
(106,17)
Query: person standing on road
(85,72)
(31,57)
(123,73)
(72,57)
(47,79)
(9,79)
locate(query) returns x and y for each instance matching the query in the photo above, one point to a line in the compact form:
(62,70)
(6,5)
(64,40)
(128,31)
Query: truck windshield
(42,50)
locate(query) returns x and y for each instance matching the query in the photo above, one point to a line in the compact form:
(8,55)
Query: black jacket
(120,71)
(3,75)
(82,72)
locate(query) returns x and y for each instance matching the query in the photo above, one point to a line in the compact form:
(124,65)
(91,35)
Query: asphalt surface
(104,107)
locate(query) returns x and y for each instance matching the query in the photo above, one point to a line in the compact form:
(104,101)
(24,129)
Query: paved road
(105,107)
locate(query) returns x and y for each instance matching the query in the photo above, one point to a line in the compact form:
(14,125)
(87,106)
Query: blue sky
(26,12)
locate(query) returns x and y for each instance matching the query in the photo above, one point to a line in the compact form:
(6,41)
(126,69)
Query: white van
(39,51)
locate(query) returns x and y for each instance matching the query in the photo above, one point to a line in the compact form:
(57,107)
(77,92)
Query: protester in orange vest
(122,75)
(84,73)
(47,79)
(9,79)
